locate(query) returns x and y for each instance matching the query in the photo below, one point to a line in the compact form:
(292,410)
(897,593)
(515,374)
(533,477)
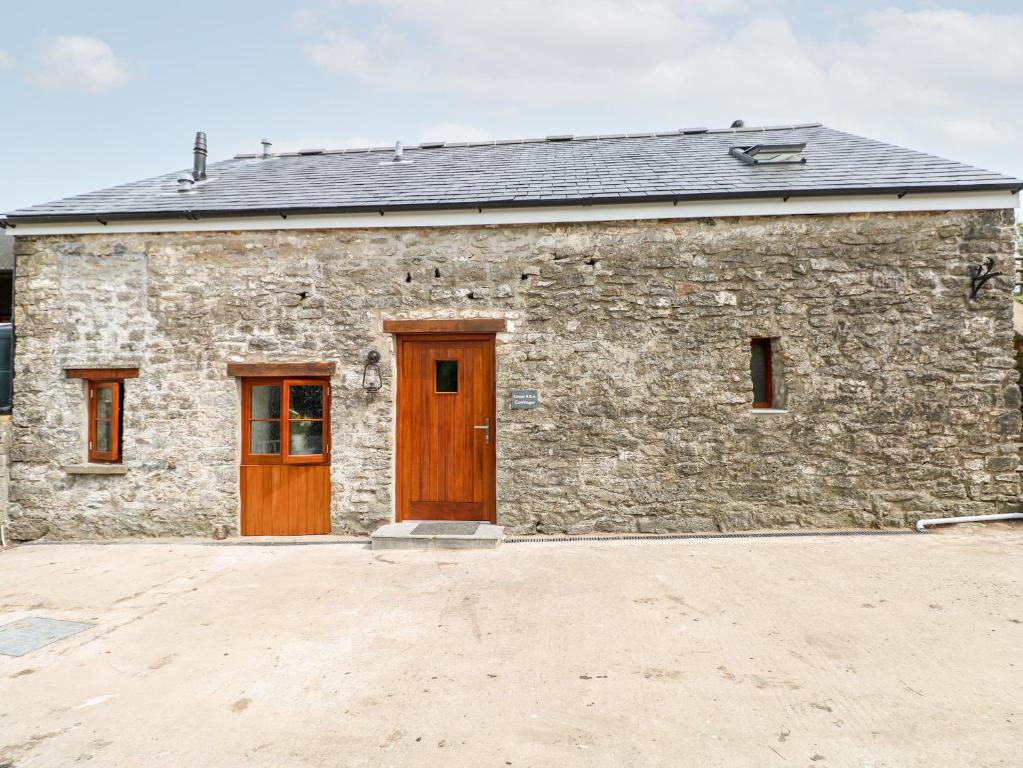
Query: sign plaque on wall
(525,398)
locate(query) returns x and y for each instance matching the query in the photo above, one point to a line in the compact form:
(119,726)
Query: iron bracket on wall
(980,274)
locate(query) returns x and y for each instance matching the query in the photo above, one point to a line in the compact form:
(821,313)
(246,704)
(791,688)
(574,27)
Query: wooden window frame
(102,374)
(284,457)
(280,370)
(764,342)
(114,454)
(464,325)
(458,378)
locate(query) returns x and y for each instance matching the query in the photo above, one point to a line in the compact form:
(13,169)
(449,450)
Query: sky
(103,92)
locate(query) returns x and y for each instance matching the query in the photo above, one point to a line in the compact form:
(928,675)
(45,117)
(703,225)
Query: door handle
(485,425)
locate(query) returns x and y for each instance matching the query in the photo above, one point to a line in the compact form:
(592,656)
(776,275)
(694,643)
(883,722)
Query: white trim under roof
(551,214)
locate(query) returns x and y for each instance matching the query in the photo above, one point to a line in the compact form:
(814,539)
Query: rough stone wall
(901,394)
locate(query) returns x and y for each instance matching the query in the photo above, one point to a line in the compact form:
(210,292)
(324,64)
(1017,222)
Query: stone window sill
(768,411)
(96,469)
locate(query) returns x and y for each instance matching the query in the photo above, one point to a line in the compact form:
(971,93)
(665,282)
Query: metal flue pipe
(199,157)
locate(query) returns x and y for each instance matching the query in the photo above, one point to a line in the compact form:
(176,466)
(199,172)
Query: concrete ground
(866,651)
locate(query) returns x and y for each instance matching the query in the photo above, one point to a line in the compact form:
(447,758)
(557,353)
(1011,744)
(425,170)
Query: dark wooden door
(285,466)
(446,428)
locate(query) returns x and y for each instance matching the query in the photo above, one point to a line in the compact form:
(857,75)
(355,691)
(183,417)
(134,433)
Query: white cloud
(937,80)
(947,74)
(79,64)
(341,52)
(501,45)
(5,59)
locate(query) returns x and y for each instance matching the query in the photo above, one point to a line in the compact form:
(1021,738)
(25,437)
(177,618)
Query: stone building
(683,331)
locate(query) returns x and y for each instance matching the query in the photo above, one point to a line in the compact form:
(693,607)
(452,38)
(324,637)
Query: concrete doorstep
(414,534)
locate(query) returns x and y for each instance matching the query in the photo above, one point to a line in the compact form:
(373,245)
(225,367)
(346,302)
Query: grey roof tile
(680,164)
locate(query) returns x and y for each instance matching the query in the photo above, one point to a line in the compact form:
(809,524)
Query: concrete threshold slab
(401,536)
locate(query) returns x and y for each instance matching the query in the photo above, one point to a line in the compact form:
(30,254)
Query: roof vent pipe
(398,151)
(199,157)
(266,147)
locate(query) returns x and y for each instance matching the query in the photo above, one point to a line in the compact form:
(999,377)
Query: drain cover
(445,529)
(25,635)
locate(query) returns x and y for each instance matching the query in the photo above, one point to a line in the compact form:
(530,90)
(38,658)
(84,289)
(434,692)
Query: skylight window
(771,154)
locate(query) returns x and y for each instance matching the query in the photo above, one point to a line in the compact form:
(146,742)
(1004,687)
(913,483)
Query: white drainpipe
(921,524)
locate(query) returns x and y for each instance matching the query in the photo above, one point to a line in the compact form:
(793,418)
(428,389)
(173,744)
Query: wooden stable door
(445,429)
(285,466)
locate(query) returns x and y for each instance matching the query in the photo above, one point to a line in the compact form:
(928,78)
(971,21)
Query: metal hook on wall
(980,274)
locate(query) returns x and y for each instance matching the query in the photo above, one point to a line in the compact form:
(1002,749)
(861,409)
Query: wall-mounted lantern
(371,380)
(980,274)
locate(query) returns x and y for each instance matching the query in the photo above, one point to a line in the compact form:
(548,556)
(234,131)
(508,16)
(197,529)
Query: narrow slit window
(104,421)
(447,376)
(760,369)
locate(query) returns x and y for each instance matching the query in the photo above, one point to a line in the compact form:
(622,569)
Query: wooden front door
(446,428)
(285,466)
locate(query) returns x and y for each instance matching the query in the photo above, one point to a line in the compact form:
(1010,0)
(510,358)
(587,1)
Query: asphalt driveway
(854,651)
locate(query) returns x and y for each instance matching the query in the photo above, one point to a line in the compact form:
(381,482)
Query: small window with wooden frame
(762,372)
(285,421)
(104,392)
(105,421)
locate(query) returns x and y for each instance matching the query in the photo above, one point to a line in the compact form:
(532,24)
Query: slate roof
(676,165)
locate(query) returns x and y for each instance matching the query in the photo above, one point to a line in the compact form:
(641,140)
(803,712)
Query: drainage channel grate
(705,536)
(29,634)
